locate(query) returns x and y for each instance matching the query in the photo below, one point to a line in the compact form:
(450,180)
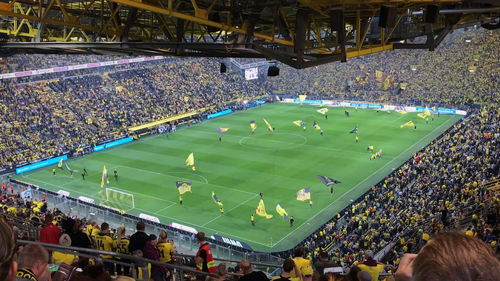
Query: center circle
(273,141)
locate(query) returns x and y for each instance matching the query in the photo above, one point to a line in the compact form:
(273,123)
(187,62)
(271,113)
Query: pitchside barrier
(183,236)
(377,106)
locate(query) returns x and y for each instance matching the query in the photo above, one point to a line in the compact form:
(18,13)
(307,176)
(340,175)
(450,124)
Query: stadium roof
(300,33)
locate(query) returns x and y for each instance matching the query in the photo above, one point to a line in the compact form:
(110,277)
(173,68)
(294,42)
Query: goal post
(119,199)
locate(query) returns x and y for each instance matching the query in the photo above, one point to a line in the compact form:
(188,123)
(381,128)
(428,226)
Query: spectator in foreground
(450,256)
(323,263)
(60,257)
(50,233)
(204,259)
(138,240)
(8,266)
(300,261)
(288,267)
(33,261)
(371,266)
(158,273)
(249,274)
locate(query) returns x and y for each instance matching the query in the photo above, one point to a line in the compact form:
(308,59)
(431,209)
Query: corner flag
(104,176)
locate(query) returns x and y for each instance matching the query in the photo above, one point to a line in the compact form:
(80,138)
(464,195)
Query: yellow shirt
(58,257)
(166,250)
(104,243)
(122,248)
(300,263)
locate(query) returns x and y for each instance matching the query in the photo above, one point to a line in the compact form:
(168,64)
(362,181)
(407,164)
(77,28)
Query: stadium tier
(342,166)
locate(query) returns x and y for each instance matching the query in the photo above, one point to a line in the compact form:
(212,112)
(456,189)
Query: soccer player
(107,183)
(326,116)
(220,138)
(83,175)
(291,221)
(252,219)
(54,171)
(331,191)
(166,248)
(180,200)
(346,113)
(357,139)
(261,196)
(71,174)
(104,242)
(310,203)
(116,175)
(321,132)
(85,171)
(194,169)
(221,211)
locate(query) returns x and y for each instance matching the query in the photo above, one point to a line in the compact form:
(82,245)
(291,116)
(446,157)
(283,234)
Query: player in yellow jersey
(166,248)
(120,244)
(104,242)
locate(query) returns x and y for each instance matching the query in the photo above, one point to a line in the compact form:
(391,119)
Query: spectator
(33,261)
(78,237)
(166,248)
(300,262)
(50,233)
(104,242)
(8,265)
(158,273)
(450,256)
(288,267)
(138,240)
(323,263)
(204,259)
(121,245)
(249,274)
(61,257)
(222,272)
(371,266)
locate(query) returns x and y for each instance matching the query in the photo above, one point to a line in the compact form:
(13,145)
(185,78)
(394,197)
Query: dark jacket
(137,241)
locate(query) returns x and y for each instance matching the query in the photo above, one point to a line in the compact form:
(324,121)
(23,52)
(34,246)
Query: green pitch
(242,165)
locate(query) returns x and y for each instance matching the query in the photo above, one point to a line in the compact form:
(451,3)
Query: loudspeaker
(273,71)
(431,13)
(223,68)
(387,16)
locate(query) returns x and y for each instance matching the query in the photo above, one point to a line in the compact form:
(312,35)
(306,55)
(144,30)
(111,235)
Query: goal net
(119,200)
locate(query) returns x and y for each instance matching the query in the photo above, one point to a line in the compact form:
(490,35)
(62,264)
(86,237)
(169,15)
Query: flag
(69,169)
(281,211)
(409,123)
(401,111)
(425,115)
(387,83)
(355,130)
(104,176)
(322,110)
(327,180)
(261,210)
(190,160)
(378,74)
(298,123)
(253,125)
(216,200)
(59,165)
(269,126)
(183,186)
(304,194)
(222,130)
(302,98)
(316,126)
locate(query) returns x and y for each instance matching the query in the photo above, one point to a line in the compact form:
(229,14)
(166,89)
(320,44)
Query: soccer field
(242,165)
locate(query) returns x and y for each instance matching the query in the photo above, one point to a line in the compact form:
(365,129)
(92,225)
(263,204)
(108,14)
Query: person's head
(33,257)
(8,265)
(299,252)
(455,256)
(152,239)
(288,265)
(49,218)
(323,255)
(141,226)
(77,226)
(200,236)
(163,237)
(221,270)
(245,266)
(105,227)
(369,254)
(121,230)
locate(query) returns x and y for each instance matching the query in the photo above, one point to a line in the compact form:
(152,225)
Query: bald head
(245,267)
